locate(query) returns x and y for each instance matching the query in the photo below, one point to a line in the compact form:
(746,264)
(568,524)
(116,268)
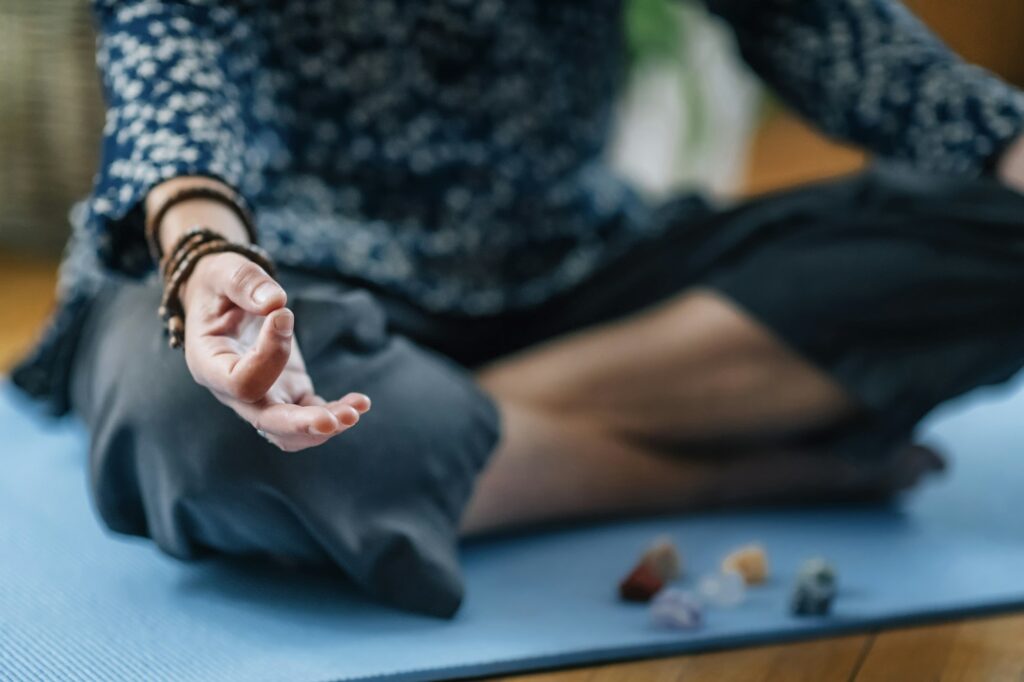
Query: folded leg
(381,502)
(827,320)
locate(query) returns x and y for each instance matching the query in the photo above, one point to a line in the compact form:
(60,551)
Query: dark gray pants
(908,290)
(170,462)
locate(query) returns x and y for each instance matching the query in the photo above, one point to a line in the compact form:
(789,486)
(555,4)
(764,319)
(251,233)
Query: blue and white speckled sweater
(452,151)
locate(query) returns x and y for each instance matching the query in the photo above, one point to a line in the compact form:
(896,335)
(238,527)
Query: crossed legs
(672,408)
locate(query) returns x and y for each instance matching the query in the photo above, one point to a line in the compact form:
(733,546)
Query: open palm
(239,343)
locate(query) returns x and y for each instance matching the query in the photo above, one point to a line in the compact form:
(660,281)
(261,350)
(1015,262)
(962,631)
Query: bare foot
(907,467)
(814,478)
(548,469)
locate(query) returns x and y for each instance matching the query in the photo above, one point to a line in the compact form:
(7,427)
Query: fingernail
(284,324)
(263,292)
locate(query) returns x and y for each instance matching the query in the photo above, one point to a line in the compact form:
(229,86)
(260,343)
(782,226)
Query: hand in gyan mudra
(240,344)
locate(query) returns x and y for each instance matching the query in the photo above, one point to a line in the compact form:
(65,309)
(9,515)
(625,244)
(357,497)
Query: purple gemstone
(676,609)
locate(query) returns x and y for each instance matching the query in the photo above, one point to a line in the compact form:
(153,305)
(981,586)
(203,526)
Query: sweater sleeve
(870,73)
(181,83)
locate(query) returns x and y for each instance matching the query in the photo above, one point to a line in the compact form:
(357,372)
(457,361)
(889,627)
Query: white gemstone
(725,588)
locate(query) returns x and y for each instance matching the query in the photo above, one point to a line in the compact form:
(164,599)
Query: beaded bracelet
(181,262)
(181,248)
(230,199)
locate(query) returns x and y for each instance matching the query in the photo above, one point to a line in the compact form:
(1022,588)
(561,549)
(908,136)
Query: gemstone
(815,588)
(641,584)
(676,609)
(750,561)
(725,588)
(663,557)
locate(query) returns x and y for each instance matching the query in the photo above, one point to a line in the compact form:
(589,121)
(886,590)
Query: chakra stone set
(676,608)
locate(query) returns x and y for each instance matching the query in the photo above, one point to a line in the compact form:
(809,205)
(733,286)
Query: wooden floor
(990,649)
(986,650)
(26,296)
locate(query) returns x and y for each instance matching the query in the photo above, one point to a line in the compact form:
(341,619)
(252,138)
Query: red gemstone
(641,584)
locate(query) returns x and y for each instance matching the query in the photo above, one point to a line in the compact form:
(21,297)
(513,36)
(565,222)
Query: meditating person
(413,301)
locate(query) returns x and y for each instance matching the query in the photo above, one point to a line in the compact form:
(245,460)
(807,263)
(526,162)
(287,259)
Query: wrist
(184,215)
(191,291)
(200,213)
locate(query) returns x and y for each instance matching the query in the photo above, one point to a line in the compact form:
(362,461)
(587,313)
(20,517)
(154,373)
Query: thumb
(248,286)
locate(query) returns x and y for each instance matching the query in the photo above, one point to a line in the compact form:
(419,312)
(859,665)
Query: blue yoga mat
(76,603)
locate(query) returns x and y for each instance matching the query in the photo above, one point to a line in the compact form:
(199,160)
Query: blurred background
(689,115)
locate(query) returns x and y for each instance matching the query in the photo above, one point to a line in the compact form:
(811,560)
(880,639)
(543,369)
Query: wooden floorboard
(26,297)
(826,660)
(989,649)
